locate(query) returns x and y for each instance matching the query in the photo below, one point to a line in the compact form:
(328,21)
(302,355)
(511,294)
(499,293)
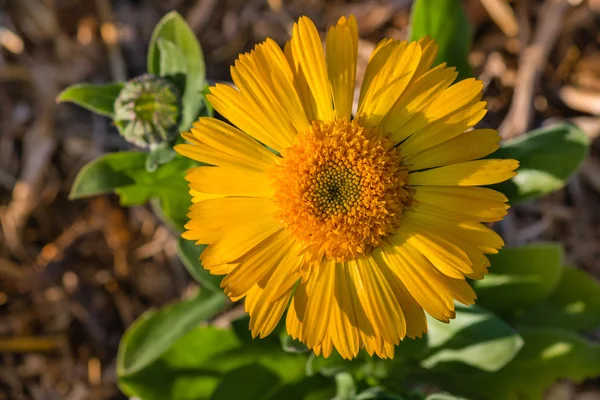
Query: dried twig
(531,63)
(503,16)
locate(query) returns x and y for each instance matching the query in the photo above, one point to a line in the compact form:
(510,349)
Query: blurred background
(74,275)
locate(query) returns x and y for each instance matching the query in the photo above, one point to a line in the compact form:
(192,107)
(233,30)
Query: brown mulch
(75,274)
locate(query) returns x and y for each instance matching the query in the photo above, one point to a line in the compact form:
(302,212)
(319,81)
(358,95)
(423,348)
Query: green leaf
(172,32)
(547,157)
(377,393)
(125,173)
(475,340)
(172,61)
(189,253)
(446,22)
(96,98)
(258,382)
(106,173)
(155,331)
(574,304)
(520,277)
(443,396)
(548,355)
(200,364)
(346,389)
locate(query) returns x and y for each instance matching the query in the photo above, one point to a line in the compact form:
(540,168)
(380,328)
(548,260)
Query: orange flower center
(340,189)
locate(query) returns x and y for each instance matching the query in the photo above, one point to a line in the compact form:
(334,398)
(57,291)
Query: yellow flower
(359,224)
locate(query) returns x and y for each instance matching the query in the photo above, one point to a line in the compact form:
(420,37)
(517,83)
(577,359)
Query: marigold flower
(360,224)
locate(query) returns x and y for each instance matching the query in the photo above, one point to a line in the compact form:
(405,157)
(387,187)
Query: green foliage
(97,98)
(126,174)
(446,22)
(574,304)
(548,355)
(547,157)
(155,331)
(376,393)
(211,363)
(346,389)
(443,396)
(475,340)
(174,52)
(520,277)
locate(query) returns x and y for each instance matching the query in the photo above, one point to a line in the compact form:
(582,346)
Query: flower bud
(148,111)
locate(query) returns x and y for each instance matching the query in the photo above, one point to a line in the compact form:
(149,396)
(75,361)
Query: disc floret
(340,189)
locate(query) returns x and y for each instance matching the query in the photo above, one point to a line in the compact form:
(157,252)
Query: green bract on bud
(148,111)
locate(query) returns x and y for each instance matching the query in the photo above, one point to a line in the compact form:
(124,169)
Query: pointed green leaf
(172,61)
(346,389)
(475,340)
(520,277)
(548,157)
(155,331)
(96,98)
(173,32)
(574,304)
(125,173)
(377,393)
(547,356)
(446,22)
(210,362)
(108,172)
(443,396)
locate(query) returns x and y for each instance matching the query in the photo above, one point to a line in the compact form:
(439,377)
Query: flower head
(360,223)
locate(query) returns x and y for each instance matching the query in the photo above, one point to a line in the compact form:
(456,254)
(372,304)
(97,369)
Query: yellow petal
(455,229)
(429,51)
(301,84)
(470,173)
(443,129)
(416,323)
(377,299)
(366,331)
(442,253)
(342,54)
(265,78)
(286,275)
(456,97)
(222,269)
(389,84)
(208,219)
(216,142)
(200,196)
(257,263)
(466,147)
(230,181)
(343,325)
(414,100)
(484,204)
(266,316)
(318,310)
(378,59)
(238,241)
(473,240)
(452,100)
(434,291)
(295,315)
(308,54)
(243,112)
